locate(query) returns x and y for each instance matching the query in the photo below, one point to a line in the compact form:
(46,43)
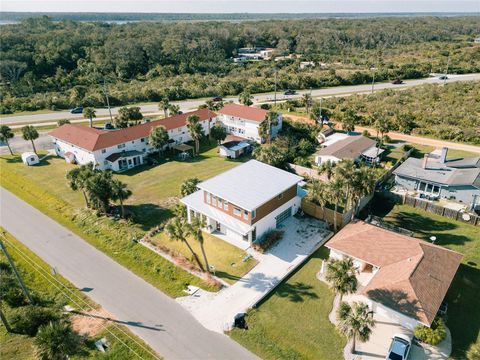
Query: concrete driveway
(379,343)
(216,311)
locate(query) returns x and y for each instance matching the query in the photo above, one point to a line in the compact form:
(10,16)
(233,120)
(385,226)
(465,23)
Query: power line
(36,267)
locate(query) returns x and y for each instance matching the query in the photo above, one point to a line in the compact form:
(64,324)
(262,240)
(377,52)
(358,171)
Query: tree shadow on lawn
(148,215)
(463,309)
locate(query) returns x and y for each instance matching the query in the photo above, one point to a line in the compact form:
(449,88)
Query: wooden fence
(435,209)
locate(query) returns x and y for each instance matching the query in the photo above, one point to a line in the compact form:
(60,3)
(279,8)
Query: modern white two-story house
(244,121)
(121,149)
(243,204)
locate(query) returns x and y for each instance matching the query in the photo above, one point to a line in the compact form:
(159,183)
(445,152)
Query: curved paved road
(193,104)
(161,322)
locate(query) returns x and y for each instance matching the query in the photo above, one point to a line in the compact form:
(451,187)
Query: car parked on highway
(77,110)
(399,348)
(397,82)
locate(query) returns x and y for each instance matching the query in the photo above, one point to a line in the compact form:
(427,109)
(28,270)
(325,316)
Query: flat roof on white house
(251,184)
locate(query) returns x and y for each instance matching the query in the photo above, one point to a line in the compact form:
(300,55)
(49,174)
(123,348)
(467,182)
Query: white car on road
(399,348)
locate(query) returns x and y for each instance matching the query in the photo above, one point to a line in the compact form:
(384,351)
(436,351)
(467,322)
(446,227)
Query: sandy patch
(90,325)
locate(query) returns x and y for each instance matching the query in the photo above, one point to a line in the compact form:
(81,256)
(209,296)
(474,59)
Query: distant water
(123,18)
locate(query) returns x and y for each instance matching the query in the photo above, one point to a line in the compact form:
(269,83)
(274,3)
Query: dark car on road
(217,98)
(77,110)
(397,82)
(443,77)
(289,92)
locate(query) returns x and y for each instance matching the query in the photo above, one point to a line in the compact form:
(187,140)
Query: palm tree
(195,229)
(5,134)
(336,195)
(89,113)
(30,133)
(355,321)
(327,168)
(363,184)
(349,118)
(307,102)
(56,341)
(195,130)
(177,229)
(164,105)
(473,352)
(174,109)
(344,171)
(189,186)
(381,124)
(159,138)
(318,193)
(272,120)
(120,192)
(245,98)
(77,180)
(341,274)
(211,106)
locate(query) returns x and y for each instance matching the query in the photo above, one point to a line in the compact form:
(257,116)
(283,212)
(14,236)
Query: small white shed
(30,158)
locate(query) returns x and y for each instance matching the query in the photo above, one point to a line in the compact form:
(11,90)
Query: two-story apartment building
(243,204)
(244,121)
(121,149)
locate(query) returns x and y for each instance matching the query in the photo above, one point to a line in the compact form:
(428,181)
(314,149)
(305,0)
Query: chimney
(443,156)
(425,160)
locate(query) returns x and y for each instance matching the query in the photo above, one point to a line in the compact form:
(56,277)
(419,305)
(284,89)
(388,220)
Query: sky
(241,6)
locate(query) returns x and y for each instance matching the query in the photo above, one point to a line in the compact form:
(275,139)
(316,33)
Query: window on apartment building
(105,162)
(214,200)
(220,203)
(245,214)
(133,141)
(207,196)
(104,151)
(121,146)
(254,214)
(225,204)
(142,139)
(237,211)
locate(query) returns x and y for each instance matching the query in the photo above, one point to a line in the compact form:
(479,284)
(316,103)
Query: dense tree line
(46,64)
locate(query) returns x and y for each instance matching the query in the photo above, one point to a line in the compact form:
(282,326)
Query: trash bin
(239,321)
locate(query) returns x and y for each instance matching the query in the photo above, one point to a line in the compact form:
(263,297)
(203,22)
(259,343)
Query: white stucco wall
(246,128)
(268,223)
(81,155)
(323,158)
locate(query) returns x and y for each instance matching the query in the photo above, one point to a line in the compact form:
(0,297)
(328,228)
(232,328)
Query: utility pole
(321,118)
(275,95)
(106,96)
(373,80)
(4,320)
(17,274)
(446,71)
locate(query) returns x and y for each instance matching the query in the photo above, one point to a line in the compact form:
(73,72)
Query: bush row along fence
(434,208)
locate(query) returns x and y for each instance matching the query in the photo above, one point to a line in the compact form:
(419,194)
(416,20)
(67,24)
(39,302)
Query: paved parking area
(216,311)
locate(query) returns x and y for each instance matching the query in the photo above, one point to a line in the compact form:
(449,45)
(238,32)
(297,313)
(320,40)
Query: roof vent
(409,259)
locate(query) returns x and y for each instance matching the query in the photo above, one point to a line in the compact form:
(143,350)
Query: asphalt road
(193,104)
(161,322)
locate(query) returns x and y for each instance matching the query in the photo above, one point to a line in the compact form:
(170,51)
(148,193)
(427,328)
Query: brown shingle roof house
(410,276)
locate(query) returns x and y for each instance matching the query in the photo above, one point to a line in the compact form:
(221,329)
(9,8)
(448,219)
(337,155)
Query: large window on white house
(121,146)
(207,196)
(237,211)
(225,204)
(245,214)
(254,214)
(214,200)
(104,151)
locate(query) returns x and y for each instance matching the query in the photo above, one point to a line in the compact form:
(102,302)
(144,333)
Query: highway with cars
(186,105)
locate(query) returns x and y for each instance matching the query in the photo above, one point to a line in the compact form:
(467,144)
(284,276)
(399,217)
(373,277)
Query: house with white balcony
(245,203)
(121,149)
(244,121)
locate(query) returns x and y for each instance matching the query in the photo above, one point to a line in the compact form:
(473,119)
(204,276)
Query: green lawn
(227,259)
(463,296)
(154,189)
(292,323)
(15,346)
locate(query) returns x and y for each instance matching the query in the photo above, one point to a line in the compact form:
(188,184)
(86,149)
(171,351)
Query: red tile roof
(413,276)
(93,139)
(244,112)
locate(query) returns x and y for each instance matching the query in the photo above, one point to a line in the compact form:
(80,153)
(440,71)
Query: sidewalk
(216,311)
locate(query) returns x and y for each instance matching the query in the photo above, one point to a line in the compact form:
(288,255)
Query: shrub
(431,335)
(14,297)
(270,239)
(366,133)
(406,147)
(473,352)
(387,139)
(56,340)
(265,106)
(27,319)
